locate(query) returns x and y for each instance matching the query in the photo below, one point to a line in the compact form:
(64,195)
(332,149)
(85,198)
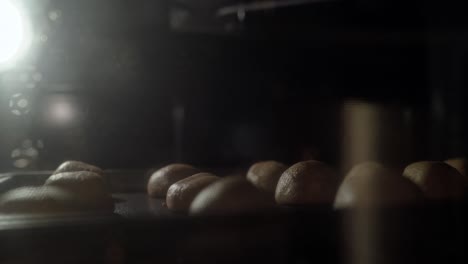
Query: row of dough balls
(74,187)
(267,183)
(187,189)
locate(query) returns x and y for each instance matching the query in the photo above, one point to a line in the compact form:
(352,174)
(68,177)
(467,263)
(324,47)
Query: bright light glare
(12,31)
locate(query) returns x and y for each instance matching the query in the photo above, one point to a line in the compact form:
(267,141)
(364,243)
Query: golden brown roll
(181,194)
(162,179)
(437,180)
(38,200)
(460,164)
(307,182)
(230,195)
(265,175)
(73,165)
(88,186)
(371,185)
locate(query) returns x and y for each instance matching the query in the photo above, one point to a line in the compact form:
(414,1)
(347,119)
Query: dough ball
(73,165)
(38,200)
(265,175)
(181,194)
(88,186)
(461,165)
(370,184)
(230,195)
(307,182)
(162,179)
(437,180)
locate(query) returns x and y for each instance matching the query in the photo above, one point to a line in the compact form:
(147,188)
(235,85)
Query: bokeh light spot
(21,163)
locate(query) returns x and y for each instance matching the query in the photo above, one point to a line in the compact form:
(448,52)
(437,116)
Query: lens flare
(13,31)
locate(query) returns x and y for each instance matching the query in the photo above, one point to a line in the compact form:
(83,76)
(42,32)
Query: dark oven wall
(135,97)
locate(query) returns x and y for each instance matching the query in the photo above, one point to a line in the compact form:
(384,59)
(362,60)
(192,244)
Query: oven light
(62,112)
(13,32)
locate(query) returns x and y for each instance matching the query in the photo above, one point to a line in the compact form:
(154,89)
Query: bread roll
(162,179)
(371,185)
(88,186)
(37,200)
(73,165)
(460,164)
(265,175)
(230,195)
(307,182)
(437,180)
(181,194)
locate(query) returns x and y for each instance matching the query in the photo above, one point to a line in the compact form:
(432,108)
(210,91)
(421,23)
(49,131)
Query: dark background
(154,82)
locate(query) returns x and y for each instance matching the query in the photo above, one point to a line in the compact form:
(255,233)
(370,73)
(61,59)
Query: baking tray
(142,230)
(128,189)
